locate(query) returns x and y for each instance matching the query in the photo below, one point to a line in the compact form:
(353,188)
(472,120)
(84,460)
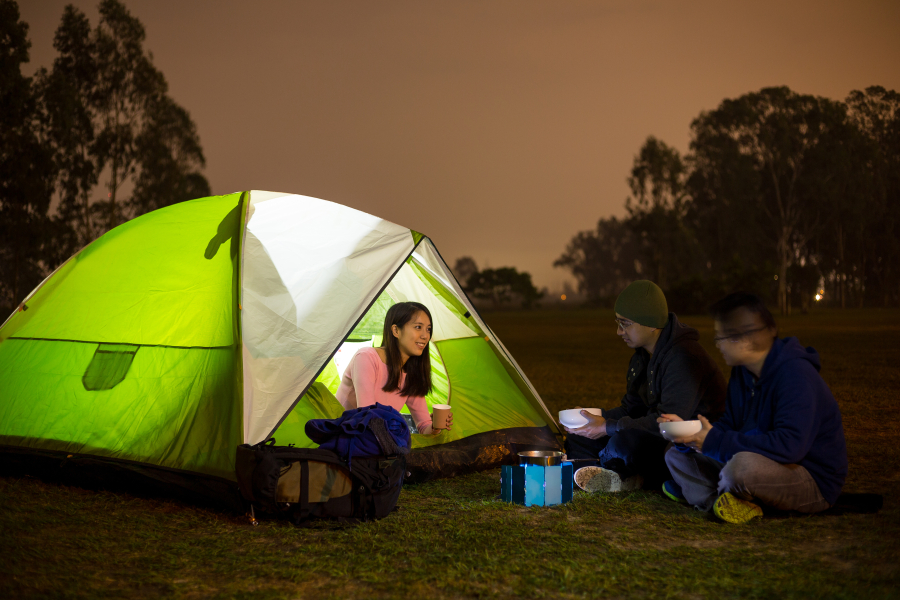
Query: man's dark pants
(629,452)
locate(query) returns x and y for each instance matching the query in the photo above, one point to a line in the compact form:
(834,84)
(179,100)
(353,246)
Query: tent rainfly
(164,344)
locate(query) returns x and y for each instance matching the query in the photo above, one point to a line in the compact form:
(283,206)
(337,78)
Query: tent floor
(474,453)
(142,480)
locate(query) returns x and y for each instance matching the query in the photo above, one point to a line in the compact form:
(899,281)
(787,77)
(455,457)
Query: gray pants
(748,476)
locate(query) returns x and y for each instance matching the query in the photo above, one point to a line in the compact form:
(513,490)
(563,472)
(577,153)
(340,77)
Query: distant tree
(26,168)
(109,114)
(779,192)
(836,182)
(603,261)
(769,135)
(170,157)
(463,269)
(876,114)
(66,93)
(723,188)
(504,286)
(656,210)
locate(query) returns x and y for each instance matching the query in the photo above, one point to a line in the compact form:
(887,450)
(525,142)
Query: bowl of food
(679,429)
(572,418)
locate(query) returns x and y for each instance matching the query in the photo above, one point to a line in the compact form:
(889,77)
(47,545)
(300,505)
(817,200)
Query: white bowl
(572,418)
(679,429)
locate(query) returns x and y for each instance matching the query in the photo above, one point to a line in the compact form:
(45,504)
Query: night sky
(498,129)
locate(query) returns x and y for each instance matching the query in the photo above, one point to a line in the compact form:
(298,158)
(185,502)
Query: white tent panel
(310,269)
(428,258)
(406,287)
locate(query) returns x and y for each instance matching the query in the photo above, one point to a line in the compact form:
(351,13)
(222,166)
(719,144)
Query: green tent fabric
(149,307)
(180,335)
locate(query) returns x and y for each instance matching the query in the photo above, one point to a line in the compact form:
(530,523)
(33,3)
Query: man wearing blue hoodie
(780,442)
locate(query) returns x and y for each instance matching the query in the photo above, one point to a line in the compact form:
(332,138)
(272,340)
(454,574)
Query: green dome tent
(175,337)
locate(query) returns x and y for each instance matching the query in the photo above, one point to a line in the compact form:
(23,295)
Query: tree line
(504,287)
(789,195)
(85,145)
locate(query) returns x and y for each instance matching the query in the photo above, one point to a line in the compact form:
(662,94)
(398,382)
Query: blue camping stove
(540,479)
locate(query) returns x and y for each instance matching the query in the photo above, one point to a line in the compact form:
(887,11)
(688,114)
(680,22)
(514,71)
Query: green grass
(453,539)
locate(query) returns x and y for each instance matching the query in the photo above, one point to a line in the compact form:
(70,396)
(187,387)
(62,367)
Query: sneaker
(673,491)
(598,479)
(732,509)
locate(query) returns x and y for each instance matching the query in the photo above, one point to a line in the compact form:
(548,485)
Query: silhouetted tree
(26,168)
(66,93)
(657,209)
(603,261)
(779,191)
(876,114)
(769,135)
(504,286)
(170,158)
(109,114)
(463,269)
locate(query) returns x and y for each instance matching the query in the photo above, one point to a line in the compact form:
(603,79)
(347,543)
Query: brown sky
(499,129)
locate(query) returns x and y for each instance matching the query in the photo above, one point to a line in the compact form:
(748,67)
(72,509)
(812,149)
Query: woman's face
(414,336)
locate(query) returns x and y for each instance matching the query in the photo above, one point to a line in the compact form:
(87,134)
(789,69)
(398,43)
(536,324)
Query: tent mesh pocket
(109,366)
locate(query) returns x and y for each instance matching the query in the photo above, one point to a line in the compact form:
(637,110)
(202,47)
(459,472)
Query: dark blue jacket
(788,415)
(349,435)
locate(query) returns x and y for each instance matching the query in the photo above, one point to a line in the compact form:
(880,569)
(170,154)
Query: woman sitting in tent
(397,373)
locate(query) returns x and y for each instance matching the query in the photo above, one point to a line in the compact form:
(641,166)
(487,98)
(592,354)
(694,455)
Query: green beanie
(644,303)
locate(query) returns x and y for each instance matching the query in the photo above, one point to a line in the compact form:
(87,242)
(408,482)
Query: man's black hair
(724,307)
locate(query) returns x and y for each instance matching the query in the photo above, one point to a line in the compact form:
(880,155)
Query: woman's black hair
(753,303)
(417,368)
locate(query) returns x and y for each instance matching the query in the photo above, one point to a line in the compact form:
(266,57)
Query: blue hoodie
(788,415)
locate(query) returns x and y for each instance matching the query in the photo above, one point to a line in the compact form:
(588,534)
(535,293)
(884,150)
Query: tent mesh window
(108,366)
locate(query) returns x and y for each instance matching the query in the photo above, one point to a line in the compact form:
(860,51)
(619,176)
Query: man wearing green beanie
(669,373)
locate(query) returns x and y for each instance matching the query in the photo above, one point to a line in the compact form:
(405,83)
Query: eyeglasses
(736,337)
(623,324)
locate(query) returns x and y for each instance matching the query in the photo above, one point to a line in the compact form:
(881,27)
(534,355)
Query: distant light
(776,278)
(563,297)
(818,297)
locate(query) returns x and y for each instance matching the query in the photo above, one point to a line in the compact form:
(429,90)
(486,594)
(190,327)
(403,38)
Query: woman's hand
(594,429)
(449,425)
(696,441)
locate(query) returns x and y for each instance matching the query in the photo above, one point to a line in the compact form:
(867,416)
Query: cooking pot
(544,458)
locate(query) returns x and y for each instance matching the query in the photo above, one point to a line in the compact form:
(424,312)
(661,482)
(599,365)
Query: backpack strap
(316,454)
(389,446)
(304,488)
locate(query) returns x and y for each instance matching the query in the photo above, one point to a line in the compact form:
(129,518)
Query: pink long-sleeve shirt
(361,386)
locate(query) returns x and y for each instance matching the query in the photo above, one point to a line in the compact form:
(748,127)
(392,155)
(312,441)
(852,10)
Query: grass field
(452,539)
